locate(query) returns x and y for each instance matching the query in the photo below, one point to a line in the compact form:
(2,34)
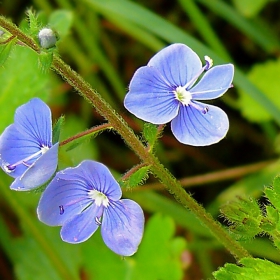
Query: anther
(205,110)
(98,221)
(61,209)
(209,62)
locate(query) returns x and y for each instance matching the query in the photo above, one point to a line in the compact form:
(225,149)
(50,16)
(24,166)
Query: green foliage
(61,21)
(74,153)
(265,76)
(150,132)
(33,22)
(158,256)
(137,178)
(273,193)
(5,50)
(249,8)
(247,219)
(250,269)
(57,129)
(20,80)
(245,216)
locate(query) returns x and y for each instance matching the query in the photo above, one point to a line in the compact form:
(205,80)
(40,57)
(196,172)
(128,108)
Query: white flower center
(44,149)
(99,198)
(183,95)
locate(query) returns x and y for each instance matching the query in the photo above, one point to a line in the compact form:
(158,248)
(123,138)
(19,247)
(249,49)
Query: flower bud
(47,38)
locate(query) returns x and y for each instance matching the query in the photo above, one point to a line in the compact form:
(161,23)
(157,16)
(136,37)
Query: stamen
(61,209)
(208,65)
(209,62)
(98,220)
(11,167)
(203,110)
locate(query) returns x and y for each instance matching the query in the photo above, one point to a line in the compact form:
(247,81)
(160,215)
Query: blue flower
(168,89)
(82,198)
(26,150)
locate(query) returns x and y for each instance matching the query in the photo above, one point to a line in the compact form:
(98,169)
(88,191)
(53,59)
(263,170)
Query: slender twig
(92,130)
(166,178)
(132,171)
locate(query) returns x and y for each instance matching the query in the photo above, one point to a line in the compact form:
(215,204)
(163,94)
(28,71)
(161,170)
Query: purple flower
(83,198)
(168,89)
(26,150)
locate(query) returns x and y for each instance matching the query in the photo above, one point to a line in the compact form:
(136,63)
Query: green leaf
(269,223)
(158,256)
(33,22)
(138,178)
(273,193)
(45,61)
(164,261)
(249,8)
(61,21)
(266,77)
(5,50)
(150,132)
(251,269)
(21,80)
(57,129)
(245,216)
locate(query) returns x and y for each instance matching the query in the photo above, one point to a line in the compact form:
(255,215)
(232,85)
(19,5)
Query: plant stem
(92,130)
(118,123)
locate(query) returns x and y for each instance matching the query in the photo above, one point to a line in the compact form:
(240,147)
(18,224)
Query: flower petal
(81,227)
(192,127)
(39,172)
(62,200)
(122,226)
(177,63)
(96,175)
(15,147)
(214,83)
(150,97)
(34,119)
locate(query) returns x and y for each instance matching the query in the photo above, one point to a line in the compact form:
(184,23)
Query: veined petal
(62,200)
(151,97)
(177,63)
(15,147)
(39,172)
(194,128)
(81,227)
(214,83)
(122,226)
(96,176)
(34,119)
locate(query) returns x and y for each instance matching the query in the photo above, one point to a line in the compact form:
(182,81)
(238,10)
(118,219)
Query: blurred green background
(106,41)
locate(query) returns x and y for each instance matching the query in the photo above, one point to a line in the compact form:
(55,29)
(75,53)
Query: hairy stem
(116,121)
(92,130)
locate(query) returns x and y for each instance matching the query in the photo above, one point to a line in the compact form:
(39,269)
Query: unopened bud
(47,38)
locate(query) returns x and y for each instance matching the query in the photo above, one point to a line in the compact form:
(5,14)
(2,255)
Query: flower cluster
(79,199)
(83,198)
(168,89)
